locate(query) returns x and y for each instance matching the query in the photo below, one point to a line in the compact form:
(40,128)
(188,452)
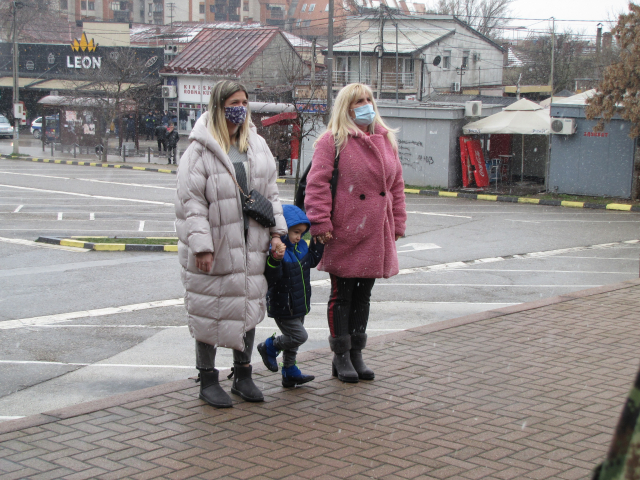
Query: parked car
(6,130)
(36,127)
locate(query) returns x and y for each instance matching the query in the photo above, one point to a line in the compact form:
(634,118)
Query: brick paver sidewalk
(530,391)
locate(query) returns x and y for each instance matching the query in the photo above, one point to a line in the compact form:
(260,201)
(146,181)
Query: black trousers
(161,144)
(349,304)
(171,154)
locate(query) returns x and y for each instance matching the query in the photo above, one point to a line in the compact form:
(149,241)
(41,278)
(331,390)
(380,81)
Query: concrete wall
(274,66)
(591,164)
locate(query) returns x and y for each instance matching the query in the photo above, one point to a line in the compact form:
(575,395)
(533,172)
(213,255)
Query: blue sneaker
(269,353)
(292,377)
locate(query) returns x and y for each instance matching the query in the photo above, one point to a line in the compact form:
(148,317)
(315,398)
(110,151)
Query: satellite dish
(436,61)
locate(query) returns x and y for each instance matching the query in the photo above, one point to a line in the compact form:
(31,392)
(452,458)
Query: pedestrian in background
(130,128)
(171,142)
(149,125)
(223,251)
(361,224)
(161,137)
(289,296)
(165,118)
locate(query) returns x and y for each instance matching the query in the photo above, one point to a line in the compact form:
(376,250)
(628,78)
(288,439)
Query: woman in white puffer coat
(222,251)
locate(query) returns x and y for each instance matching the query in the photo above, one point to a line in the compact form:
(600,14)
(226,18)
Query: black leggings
(348,309)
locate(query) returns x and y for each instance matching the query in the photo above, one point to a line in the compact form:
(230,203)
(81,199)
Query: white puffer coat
(229,300)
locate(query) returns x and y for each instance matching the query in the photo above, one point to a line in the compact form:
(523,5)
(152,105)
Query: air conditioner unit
(150,14)
(455,87)
(476,56)
(563,126)
(170,49)
(169,91)
(472,109)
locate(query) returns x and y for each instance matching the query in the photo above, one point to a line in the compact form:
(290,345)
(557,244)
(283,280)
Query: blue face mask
(364,114)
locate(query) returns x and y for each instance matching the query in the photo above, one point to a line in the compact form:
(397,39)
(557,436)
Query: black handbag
(256,206)
(302,184)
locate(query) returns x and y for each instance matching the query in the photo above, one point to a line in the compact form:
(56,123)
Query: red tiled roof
(222,51)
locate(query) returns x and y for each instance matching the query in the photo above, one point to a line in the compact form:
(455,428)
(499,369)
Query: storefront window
(189,113)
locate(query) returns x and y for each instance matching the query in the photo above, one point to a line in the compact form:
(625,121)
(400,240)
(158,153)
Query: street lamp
(16,93)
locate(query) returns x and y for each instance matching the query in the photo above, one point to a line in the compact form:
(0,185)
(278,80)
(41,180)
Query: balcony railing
(405,80)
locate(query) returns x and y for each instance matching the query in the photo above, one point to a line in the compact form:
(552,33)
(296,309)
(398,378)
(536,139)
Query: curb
(621,207)
(108,247)
(90,164)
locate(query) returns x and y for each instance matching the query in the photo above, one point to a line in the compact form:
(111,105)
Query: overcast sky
(568,10)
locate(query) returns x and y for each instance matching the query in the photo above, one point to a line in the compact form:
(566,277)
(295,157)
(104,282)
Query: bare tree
(122,84)
(31,15)
(484,15)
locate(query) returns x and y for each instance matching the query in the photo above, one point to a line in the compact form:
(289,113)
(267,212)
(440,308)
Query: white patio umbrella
(523,117)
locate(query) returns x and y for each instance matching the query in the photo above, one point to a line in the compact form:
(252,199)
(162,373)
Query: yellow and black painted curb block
(107,247)
(534,201)
(90,164)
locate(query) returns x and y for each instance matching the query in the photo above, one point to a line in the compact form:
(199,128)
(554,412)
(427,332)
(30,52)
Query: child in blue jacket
(289,296)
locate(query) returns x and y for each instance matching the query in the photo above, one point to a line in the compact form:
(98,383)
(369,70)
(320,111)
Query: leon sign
(83,61)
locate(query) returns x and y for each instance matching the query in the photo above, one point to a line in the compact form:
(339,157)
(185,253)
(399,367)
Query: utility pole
(360,58)
(313,64)
(171,6)
(380,51)
(16,83)
(329,62)
(397,71)
(553,49)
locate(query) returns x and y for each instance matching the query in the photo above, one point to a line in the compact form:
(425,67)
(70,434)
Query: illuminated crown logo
(83,44)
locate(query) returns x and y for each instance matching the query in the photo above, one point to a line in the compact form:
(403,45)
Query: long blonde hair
(220,92)
(341,125)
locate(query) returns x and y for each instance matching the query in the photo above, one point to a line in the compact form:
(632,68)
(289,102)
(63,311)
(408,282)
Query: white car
(6,130)
(36,127)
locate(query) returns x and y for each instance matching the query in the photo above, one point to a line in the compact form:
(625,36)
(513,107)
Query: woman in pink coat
(361,224)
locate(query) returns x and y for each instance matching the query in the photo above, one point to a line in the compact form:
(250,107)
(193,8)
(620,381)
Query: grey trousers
(206,354)
(293,335)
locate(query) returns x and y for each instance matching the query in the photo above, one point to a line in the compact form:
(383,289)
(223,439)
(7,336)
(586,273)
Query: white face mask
(364,114)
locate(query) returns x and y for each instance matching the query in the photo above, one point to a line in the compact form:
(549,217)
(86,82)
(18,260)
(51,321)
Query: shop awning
(22,82)
(282,119)
(62,101)
(57,85)
(523,117)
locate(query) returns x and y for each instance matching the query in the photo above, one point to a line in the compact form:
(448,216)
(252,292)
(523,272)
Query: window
(202,8)
(92,5)
(245,6)
(151,7)
(83,5)
(465,59)
(63,5)
(304,8)
(446,59)
(306,23)
(326,9)
(312,7)
(298,23)
(212,8)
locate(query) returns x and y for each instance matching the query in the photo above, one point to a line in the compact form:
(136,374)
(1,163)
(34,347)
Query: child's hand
(278,254)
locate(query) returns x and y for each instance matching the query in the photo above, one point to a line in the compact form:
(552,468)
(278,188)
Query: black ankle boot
(341,366)
(358,342)
(211,391)
(243,384)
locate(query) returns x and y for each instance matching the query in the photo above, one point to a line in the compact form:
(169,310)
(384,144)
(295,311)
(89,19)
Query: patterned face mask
(235,115)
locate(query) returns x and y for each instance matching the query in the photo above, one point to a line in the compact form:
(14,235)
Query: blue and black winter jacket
(289,294)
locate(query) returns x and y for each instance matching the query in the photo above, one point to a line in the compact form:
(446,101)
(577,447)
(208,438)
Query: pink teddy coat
(369,207)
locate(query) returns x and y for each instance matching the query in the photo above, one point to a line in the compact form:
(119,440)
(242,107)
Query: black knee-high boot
(341,366)
(211,391)
(358,342)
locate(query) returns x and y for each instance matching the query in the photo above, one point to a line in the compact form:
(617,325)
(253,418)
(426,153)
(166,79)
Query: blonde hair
(220,92)
(341,125)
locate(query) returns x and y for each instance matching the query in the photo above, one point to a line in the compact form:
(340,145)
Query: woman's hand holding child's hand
(324,238)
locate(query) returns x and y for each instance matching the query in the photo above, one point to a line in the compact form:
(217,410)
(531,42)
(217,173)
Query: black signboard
(73,61)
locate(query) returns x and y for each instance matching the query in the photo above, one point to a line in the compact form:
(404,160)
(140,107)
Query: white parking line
(92,216)
(439,214)
(59,215)
(64,317)
(153,202)
(112,365)
(141,227)
(18,209)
